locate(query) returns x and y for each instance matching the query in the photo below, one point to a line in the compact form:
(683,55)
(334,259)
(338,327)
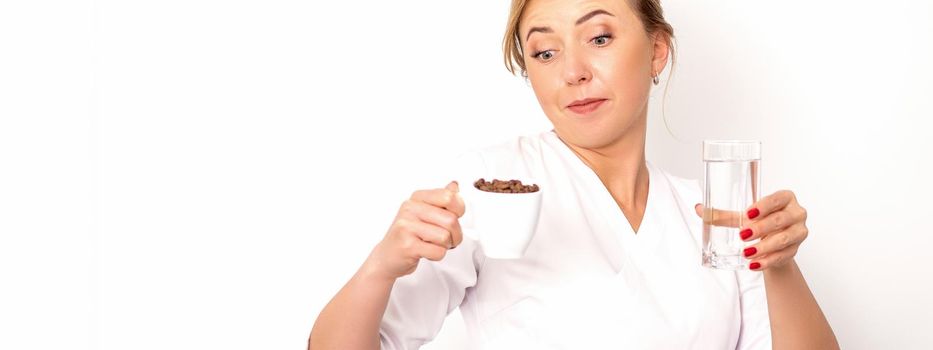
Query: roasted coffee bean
(502,186)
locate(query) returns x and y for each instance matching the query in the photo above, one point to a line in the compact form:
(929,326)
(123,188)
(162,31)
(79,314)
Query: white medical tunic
(587,281)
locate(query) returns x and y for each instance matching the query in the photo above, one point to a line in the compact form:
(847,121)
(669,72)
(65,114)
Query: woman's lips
(586,107)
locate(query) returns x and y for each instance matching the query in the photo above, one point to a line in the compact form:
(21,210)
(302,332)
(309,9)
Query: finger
(426,232)
(777,242)
(442,197)
(431,252)
(436,216)
(717,217)
(432,234)
(772,203)
(773,223)
(776,259)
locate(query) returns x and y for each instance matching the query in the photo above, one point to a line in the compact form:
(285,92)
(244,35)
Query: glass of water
(731,185)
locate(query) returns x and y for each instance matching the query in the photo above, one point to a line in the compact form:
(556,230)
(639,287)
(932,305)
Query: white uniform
(587,281)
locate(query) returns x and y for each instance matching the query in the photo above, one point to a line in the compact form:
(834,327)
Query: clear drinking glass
(732,180)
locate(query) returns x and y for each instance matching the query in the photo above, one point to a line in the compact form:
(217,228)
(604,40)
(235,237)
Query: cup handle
(468,220)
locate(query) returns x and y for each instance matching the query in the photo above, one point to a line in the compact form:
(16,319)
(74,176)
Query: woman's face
(590,51)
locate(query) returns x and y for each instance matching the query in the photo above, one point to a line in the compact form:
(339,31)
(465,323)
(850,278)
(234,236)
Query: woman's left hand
(778,220)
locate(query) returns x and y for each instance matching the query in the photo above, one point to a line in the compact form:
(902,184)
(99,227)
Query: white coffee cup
(503,224)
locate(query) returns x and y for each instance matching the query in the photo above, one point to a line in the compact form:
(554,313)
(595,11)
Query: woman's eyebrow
(592,14)
(580,21)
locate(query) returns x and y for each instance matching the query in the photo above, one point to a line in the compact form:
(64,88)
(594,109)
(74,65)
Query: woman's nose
(576,71)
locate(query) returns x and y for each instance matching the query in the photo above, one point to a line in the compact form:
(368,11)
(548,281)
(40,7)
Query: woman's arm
(796,320)
(352,314)
(426,227)
(780,223)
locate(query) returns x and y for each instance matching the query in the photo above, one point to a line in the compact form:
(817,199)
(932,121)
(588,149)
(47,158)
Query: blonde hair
(649,11)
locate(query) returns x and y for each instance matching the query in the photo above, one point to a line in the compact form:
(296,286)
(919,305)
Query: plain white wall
(207,174)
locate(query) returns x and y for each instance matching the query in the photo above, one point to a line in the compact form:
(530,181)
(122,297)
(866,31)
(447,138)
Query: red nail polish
(745,234)
(754,266)
(753,213)
(750,251)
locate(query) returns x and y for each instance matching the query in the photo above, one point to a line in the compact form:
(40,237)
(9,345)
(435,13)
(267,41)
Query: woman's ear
(660,52)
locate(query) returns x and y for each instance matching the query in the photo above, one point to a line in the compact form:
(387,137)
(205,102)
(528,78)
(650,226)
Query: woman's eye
(545,55)
(602,40)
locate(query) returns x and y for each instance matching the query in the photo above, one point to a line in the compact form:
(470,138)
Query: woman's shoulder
(516,157)
(517,146)
(680,181)
(689,190)
(517,154)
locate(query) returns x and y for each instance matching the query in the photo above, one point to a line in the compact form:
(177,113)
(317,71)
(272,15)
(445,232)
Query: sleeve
(755,332)
(419,302)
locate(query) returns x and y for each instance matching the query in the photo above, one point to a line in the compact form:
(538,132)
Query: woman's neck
(622,169)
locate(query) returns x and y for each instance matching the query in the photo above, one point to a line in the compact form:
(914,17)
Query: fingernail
(754,266)
(750,251)
(753,213)
(745,234)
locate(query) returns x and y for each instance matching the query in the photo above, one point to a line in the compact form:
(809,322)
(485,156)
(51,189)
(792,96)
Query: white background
(207,174)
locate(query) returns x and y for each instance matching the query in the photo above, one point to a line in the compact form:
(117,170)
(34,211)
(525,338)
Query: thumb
(453,186)
(719,217)
(459,207)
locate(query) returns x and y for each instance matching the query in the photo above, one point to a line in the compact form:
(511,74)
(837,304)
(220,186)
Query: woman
(614,262)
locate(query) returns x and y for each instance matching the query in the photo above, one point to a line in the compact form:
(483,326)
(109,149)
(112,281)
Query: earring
(655,80)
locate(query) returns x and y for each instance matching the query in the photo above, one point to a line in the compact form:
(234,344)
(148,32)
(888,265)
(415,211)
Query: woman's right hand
(426,227)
